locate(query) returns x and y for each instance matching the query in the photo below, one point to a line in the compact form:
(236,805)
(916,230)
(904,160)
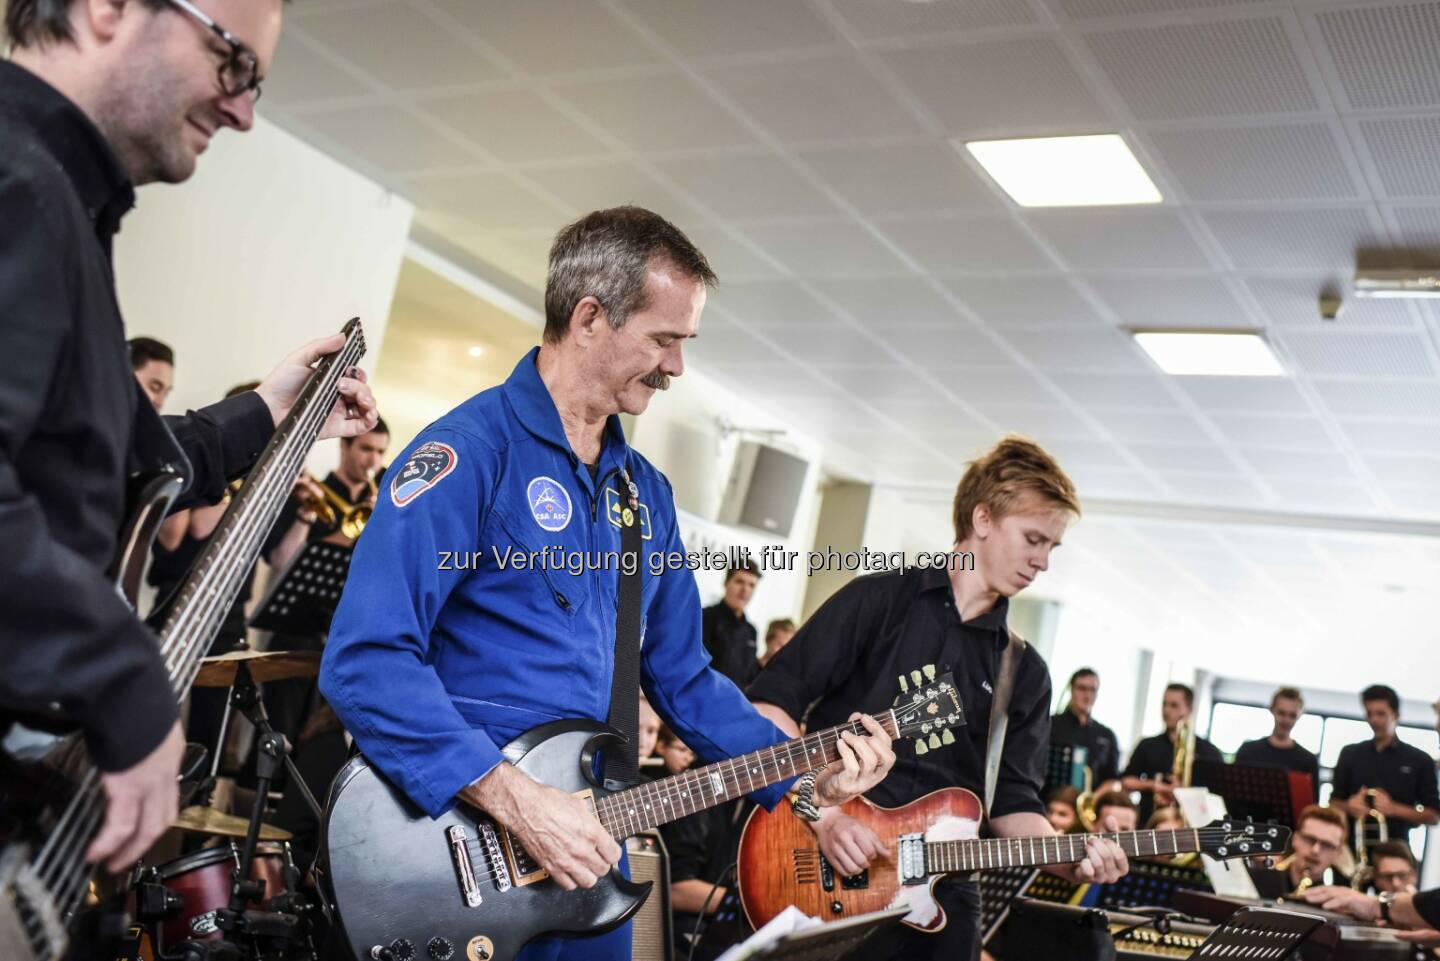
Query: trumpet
(1183,768)
(1364,871)
(332,510)
(1085,803)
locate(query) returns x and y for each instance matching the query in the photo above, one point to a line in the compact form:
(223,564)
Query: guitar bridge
(469,886)
(494,857)
(911,858)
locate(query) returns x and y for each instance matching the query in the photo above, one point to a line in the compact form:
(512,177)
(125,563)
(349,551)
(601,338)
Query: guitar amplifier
(651,937)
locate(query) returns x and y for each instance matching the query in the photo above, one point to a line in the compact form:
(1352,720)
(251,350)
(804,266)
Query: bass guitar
(780,862)
(405,886)
(51,802)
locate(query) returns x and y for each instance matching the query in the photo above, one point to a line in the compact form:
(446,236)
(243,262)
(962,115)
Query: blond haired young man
(1011,510)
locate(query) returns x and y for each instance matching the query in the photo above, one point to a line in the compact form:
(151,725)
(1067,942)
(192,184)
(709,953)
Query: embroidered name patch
(549,504)
(428,463)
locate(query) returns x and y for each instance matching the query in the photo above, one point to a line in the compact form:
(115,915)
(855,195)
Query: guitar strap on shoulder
(622,762)
(1000,715)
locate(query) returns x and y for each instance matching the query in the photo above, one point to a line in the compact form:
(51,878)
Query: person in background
(1280,749)
(1116,805)
(1415,917)
(1077,727)
(728,634)
(672,751)
(777,634)
(1395,867)
(1319,838)
(648,730)
(1385,773)
(154,366)
(1152,763)
(1167,819)
(1060,810)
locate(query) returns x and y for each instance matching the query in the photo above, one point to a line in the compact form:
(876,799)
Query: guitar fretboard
(977,854)
(660,802)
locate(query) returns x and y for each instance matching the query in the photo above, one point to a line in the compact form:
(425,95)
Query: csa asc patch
(549,504)
(428,463)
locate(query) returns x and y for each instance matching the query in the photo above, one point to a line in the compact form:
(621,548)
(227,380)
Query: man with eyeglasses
(1076,726)
(1314,848)
(99,97)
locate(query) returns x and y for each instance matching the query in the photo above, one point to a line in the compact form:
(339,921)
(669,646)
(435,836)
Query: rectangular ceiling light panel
(1192,353)
(1088,171)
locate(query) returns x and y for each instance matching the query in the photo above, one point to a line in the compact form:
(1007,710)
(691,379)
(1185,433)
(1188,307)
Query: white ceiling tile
(1072,454)
(1378,398)
(1002,386)
(775,379)
(400,46)
(1416,501)
(888,383)
(747,187)
(1170,428)
(903,179)
(387,137)
(300,75)
(841,248)
(552,36)
(1277,462)
(1120,239)
(1393,469)
(1013,85)
(1204,69)
(1111,390)
(833,415)
(1322,352)
(1091,9)
(950,244)
(515,125)
(882,20)
(827,345)
(1282,239)
(731,259)
(1260,395)
(657,113)
(604,185)
(1122,484)
(833,97)
(1079,350)
(523,254)
(1219,490)
(1385,55)
(1043,424)
(1024,301)
(1292,301)
(1419,233)
(491,199)
(1263,431)
(1183,457)
(1394,436)
(942,348)
(887,302)
(728,348)
(703,28)
(777,303)
(1204,302)
(1404,151)
(1290,162)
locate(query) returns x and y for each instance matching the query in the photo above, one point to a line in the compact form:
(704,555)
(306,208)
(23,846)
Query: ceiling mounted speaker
(764,489)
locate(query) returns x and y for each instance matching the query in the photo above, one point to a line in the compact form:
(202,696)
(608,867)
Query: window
(1340,731)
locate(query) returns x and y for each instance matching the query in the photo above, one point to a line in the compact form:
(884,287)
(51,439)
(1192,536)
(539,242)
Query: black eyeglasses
(240,73)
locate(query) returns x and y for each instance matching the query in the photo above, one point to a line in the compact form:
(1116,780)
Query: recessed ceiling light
(476,351)
(1210,353)
(1066,171)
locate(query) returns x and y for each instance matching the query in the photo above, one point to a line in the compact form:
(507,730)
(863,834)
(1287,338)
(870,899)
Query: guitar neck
(975,854)
(659,802)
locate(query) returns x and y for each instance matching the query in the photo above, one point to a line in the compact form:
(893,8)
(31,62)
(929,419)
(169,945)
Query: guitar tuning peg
(929,670)
(920,747)
(904,688)
(946,737)
(915,676)
(934,740)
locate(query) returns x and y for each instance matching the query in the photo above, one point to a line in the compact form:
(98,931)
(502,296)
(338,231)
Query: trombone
(1364,871)
(332,510)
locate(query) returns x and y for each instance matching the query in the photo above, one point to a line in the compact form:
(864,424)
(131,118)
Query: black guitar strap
(623,763)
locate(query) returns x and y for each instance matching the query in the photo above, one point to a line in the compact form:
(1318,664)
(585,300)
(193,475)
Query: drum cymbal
(210,821)
(219,671)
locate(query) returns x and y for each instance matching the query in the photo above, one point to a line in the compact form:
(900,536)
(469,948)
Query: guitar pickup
(912,859)
(827,874)
(469,886)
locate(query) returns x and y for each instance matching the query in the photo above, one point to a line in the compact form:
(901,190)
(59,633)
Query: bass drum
(202,882)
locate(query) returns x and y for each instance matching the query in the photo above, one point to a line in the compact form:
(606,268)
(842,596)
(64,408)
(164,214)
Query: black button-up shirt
(1154,757)
(1402,770)
(851,654)
(730,639)
(73,426)
(1102,751)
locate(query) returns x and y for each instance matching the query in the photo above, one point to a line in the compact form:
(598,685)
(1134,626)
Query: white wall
(270,244)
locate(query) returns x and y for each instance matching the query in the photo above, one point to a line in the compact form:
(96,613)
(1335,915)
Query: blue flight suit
(443,650)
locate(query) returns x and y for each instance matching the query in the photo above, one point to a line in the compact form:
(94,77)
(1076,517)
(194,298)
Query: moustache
(656,380)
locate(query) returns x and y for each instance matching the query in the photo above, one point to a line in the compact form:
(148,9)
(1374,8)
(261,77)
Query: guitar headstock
(928,709)
(1223,839)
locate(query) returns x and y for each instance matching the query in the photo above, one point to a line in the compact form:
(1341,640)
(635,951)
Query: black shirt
(1155,756)
(1261,753)
(74,425)
(850,655)
(1402,770)
(1102,750)
(730,639)
(1427,905)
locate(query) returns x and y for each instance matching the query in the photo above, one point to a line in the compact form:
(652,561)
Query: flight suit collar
(535,409)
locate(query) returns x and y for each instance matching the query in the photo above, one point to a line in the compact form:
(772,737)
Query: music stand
(302,600)
(838,939)
(1147,883)
(1260,793)
(998,888)
(1268,933)
(1065,767)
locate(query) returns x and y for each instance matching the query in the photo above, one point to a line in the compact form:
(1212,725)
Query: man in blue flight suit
(475,611)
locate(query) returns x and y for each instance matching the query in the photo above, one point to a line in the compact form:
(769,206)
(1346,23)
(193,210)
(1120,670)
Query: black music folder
(303,599)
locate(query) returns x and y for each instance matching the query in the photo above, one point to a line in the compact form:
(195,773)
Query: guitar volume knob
(402,950)
(440,949)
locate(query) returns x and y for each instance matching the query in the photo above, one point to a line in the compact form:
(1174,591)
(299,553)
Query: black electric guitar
(51,802)
(407,886)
